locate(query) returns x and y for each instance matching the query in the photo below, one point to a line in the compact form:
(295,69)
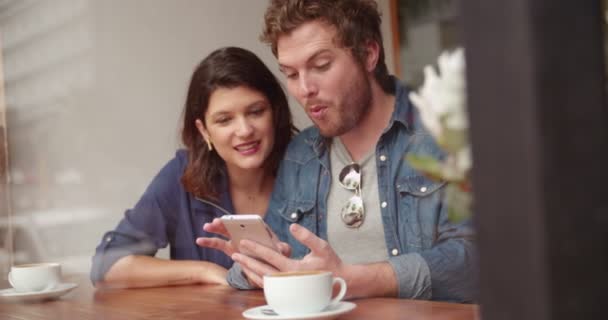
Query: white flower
(441,100)
(426,102)
(464,161)
(442,104)
(443,110)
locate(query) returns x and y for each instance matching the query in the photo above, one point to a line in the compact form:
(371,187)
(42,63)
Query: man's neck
(360,140)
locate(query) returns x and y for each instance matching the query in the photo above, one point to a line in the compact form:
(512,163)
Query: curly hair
(356,21)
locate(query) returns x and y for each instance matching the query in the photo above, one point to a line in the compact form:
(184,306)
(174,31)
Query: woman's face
(238,122)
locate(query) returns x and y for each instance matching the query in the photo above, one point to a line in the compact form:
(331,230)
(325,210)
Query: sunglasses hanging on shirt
(352,213)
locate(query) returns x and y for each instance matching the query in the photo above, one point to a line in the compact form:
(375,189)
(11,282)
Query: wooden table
(204,302)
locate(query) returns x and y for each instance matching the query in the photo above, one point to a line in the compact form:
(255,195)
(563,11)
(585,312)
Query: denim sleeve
(116,245)
(143,230)
(236,278)
(452,262)
(447,271)
(140,232)
(413,276)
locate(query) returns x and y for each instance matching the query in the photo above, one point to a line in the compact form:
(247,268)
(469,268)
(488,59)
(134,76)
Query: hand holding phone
(250,227)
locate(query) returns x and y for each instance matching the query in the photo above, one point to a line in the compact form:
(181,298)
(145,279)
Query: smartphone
(250,227)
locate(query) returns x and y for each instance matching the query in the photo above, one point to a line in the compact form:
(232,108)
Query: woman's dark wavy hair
(229,67)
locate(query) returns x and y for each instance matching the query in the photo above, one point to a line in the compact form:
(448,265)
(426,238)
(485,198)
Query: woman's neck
(250,190)
(248,180)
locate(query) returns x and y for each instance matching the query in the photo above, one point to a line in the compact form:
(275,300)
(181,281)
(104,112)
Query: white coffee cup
(301,292)
(35,277)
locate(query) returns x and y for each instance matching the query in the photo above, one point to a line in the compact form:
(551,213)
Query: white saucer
(331,312)
(12,295)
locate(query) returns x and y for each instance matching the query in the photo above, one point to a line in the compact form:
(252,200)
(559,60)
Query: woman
(236,128)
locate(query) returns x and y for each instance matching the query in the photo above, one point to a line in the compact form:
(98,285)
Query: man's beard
(352,109)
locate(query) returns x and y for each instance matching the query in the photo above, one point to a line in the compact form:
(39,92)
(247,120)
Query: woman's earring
(209,145)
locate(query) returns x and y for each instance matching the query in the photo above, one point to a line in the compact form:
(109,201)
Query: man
(345,199)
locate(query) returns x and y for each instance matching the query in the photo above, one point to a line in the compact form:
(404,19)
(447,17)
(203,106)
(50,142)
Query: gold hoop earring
(209,145)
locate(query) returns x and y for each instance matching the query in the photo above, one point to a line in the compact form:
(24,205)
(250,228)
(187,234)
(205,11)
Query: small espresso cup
(35,277)
(301,292)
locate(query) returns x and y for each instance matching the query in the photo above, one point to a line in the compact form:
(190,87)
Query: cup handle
(342,292)
(9,279)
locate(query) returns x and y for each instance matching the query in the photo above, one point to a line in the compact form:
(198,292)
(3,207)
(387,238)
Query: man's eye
(323,67)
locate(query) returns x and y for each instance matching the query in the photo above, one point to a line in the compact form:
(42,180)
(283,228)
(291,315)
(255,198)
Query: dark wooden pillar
(539,125)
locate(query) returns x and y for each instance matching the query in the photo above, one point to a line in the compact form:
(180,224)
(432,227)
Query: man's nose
(307,86)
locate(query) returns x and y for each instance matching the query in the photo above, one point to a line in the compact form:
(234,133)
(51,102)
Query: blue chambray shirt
(165,215)
(432,257)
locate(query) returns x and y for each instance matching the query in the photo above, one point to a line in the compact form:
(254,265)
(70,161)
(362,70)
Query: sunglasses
(352,213)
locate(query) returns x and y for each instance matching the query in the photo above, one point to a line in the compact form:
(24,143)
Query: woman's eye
(258,111)
(222,120)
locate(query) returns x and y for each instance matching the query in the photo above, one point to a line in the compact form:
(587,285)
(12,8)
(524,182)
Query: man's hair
(356,23)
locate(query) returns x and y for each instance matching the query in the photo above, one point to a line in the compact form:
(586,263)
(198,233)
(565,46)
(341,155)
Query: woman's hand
(226,246)
(217,227)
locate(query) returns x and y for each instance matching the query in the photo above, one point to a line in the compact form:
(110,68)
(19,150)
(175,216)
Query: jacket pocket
(417,186)
(302,213)
(419,207)
(296,211)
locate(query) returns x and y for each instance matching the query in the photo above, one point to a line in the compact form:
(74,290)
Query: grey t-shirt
(365,244)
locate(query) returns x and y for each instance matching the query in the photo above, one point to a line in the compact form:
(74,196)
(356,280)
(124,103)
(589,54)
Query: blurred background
(91,99)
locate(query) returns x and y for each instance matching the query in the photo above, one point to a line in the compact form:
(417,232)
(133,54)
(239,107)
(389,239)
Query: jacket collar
(222,206)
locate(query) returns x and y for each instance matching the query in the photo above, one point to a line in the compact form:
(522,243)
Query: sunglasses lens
(352,213)
(350,176)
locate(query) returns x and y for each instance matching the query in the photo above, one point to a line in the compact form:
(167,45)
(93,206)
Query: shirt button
(395,252)
(294,216)
(423,189)
(382,158)
(383,205)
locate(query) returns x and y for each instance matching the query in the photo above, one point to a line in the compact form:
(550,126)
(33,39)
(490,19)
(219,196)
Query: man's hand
(321,257)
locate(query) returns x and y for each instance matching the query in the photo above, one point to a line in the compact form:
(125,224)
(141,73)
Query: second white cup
(303,292)
(35,277)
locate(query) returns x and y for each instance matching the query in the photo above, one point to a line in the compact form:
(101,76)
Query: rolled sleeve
(452,262)
(413,276)
(142,231)
(236,278)
(147,227)
(453,269)
(114,246)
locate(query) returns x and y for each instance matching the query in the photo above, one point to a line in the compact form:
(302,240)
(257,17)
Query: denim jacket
(431,257)
(165,215)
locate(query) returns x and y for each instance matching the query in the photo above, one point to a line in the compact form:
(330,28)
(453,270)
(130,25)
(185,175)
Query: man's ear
(373,52)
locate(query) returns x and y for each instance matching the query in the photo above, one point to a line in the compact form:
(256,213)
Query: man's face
(331,85)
